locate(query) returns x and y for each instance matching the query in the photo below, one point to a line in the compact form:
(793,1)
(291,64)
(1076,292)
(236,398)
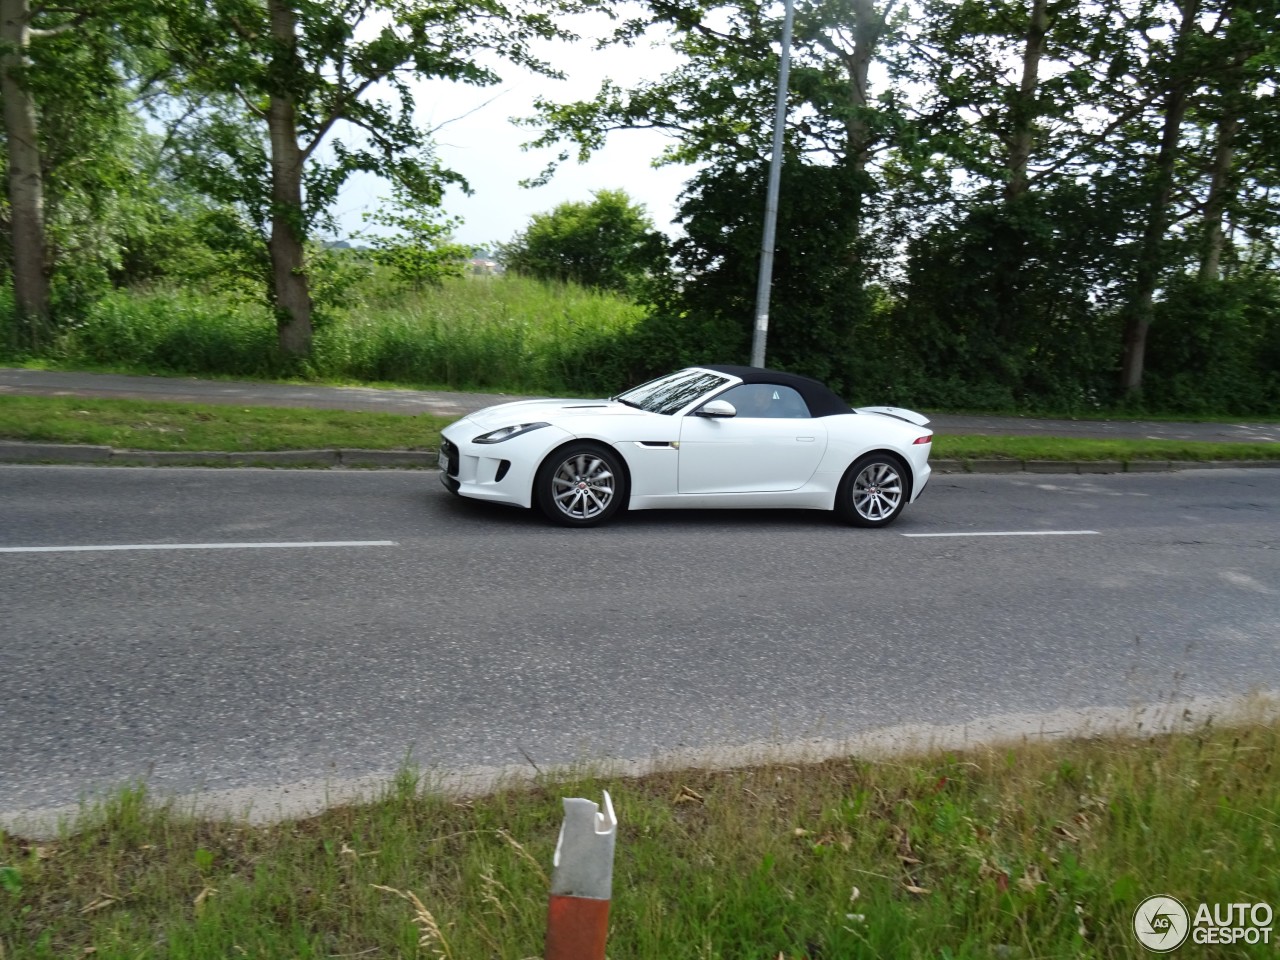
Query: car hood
(898,413)
(551,411)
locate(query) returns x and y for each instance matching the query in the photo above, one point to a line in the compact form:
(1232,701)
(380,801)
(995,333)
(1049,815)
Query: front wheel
(873,491)
(580,485)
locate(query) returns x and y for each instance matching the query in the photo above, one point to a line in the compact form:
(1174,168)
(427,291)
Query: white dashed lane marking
(310,544)
(1011,533)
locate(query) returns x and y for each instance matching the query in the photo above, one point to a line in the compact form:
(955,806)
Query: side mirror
(717,409)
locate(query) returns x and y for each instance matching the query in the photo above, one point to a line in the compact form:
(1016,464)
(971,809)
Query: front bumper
(497,472)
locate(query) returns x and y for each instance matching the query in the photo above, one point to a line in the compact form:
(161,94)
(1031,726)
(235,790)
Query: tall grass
(503,333)
(173,331)
(508,332)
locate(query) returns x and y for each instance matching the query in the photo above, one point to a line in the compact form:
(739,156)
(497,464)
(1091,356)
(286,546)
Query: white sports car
(713,436)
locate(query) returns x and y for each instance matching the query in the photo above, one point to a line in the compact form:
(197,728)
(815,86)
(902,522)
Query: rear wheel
(580,485)
(873,491)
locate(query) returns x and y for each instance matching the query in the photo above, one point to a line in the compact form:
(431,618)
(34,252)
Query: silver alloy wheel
(583,486)
(877,491)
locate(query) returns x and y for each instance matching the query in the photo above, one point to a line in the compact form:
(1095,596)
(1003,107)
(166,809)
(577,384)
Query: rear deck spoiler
(898,413)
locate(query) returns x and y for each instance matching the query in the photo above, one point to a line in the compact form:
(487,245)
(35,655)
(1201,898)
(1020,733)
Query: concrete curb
(269,804)
(78,454)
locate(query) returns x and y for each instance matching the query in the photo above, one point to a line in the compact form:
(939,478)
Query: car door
(770,445)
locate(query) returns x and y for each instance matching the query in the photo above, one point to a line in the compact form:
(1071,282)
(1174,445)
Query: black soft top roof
(821,400)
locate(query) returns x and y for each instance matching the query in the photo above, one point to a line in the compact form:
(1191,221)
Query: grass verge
(159,425)
(1034,850)
(155,425)
(948,447)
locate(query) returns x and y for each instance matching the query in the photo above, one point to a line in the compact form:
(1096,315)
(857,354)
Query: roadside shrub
(507,333)
(1214,348)
(173,332)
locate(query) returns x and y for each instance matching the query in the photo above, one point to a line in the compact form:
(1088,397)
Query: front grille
(450,451)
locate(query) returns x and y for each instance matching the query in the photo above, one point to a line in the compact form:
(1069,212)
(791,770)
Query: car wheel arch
(581,441)
(593,441)
(901,463)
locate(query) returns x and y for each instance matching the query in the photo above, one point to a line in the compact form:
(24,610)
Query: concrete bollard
(582,882)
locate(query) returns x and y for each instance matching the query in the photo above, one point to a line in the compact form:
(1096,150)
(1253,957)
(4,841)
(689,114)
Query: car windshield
(671,393)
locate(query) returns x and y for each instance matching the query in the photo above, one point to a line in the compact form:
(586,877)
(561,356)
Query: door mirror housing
(717,409)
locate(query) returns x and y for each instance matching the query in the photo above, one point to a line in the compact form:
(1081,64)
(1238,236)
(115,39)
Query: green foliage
(608,244)
(1215,347)
(94,178)
(504,333)
(421,252)
(706,313)
(236,75)
(177,332)
(997,311)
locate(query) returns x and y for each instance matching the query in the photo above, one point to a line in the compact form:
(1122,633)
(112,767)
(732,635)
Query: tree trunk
(1215,204)
(868,29)
(1221,179)
(289,288)
(26,184)
(1151,250)
(1022,113)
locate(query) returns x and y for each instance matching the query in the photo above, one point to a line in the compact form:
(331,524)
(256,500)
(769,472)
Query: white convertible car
(713,436)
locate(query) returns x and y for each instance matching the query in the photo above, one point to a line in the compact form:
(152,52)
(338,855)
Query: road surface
(253,628)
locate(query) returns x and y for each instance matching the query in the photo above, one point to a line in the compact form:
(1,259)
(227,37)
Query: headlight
(506,433)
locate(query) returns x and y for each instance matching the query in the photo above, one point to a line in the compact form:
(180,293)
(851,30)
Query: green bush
(173,332)
(1214,348)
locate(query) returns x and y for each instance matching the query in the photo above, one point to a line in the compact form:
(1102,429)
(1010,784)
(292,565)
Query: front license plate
(444,460)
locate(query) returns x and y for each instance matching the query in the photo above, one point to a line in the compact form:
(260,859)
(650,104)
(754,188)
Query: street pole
(771,201)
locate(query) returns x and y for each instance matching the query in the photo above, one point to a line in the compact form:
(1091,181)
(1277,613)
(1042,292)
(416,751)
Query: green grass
(152,425)
(502,333)
(1028,851)
(948,447)
(157,425)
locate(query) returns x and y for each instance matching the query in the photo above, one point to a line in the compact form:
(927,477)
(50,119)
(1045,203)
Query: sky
(476,138)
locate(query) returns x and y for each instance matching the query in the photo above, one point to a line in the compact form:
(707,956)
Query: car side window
(766,400)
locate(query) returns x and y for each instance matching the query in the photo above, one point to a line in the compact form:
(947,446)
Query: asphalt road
(457,633)
(451,404)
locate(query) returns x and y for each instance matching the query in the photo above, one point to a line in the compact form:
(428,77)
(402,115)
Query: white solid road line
(1012,533)
(205,546)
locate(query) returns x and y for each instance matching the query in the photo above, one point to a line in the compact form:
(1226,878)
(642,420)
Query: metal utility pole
(771,201)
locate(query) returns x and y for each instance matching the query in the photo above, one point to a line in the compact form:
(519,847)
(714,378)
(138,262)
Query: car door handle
(805,439)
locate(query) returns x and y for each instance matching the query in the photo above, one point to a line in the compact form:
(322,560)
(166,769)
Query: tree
(292,70)
(71,147)
(1177,79)
(26,178)
(608,243)
(422,251)
(716,106)
(1243,62)
(818,293)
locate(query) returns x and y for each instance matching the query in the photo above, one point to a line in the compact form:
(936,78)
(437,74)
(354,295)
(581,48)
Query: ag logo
(1161,923)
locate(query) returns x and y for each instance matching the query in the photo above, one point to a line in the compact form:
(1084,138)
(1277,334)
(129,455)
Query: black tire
(874,490)
(580,485)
